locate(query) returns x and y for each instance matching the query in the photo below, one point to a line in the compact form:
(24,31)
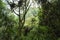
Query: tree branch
(8,2)
(26,10)
(15,13)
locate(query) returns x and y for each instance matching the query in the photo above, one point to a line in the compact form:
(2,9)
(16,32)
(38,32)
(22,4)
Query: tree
(23,5)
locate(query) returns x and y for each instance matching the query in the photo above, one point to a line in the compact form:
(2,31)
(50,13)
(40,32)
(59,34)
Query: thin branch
(26,11)
(15,13)
(28,3)
(7,2)
(12,10)
(25,15)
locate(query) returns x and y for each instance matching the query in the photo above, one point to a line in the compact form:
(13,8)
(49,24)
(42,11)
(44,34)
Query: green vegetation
(20,21)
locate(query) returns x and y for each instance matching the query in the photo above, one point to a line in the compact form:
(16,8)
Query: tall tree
(21,6)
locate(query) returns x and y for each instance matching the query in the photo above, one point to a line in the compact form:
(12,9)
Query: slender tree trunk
(20,25)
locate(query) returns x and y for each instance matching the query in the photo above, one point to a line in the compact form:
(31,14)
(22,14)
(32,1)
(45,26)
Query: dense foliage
(39,23)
